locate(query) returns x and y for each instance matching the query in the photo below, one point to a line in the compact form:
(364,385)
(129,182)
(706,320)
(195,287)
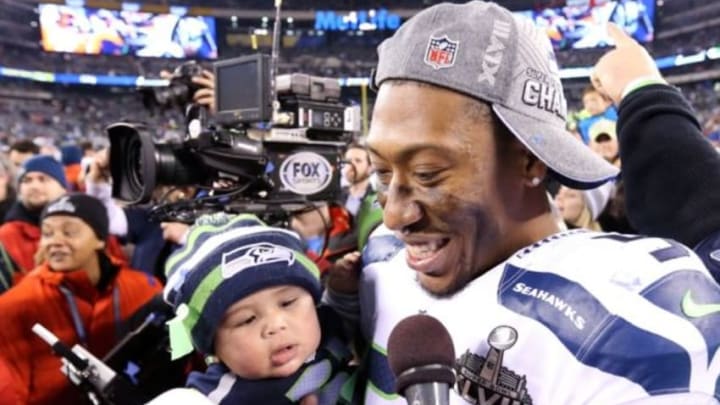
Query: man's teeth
(425,250)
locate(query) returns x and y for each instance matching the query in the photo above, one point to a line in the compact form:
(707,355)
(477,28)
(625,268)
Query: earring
(535,181)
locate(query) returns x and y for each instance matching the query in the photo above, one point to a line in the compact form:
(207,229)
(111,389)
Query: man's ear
(534,171)
(100,245)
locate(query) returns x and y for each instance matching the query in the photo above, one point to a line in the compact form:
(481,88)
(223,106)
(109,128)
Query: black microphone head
(420,350)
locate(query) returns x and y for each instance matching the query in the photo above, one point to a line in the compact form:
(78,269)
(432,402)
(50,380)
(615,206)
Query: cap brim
(573,163)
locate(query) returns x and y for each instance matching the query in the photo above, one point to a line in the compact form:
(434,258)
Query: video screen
(576,27)
(115,32)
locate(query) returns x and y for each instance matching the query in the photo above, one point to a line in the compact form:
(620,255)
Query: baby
(247,296)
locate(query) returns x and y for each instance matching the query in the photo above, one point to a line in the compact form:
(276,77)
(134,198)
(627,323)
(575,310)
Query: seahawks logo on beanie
(253,255)
(222,263)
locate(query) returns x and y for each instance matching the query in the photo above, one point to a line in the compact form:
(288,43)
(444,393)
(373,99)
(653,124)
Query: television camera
(179,91)
(279,148)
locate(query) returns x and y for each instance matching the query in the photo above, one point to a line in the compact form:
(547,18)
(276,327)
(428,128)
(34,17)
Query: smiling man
(468,123)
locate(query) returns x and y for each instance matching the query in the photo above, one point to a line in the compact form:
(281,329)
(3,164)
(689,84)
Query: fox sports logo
(306,173)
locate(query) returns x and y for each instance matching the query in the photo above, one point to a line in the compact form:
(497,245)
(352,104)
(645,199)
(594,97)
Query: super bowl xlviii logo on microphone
(484,380)
(306,173)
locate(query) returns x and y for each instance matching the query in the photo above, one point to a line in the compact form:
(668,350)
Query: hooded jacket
(39,297)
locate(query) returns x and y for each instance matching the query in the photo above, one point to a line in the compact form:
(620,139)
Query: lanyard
(77,319)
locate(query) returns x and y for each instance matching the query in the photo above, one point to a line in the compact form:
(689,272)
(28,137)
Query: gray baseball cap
(486,52)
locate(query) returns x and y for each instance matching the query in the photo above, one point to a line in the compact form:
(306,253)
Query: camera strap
(78,323)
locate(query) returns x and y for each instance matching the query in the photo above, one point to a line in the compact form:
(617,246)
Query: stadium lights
(575,73)
(713,53)
(139,81)
(178,10)
(682,60)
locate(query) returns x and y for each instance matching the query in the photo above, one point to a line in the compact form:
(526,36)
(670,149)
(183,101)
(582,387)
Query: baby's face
(270,333)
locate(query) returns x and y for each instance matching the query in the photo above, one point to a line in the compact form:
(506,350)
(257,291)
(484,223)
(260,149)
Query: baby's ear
(100,245)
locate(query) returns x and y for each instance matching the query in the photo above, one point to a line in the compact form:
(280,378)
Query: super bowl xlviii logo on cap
(253,255)
(61,205)
(441,52)
(306,173)
(494,52)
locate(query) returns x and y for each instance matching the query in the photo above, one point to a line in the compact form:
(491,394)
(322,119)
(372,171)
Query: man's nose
(400,210)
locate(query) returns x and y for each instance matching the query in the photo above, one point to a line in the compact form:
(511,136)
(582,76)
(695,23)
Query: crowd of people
(571,257)
(335,56)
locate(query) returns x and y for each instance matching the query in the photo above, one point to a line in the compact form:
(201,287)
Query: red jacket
(7,386)
(72,174)
(342,239)
(38,298)
(21,241)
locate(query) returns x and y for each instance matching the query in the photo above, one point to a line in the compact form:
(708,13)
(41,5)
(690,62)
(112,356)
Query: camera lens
(134,165)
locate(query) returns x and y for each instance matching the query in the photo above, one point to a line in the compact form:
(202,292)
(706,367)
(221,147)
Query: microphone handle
(432,393)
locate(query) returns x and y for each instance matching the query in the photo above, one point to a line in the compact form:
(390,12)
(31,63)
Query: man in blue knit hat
(40,180)
(247,296)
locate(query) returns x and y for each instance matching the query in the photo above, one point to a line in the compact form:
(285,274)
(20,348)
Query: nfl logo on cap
(441,52)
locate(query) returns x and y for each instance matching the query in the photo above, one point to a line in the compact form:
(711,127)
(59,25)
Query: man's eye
(426,176)
(383,175)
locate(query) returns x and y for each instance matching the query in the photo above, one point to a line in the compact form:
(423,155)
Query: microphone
(421,355)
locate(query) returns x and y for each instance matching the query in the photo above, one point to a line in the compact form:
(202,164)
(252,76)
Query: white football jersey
(578,318)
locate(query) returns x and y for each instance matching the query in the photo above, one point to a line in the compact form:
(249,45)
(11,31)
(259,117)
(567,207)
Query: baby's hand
(344,274)
(175,232)
(309,400)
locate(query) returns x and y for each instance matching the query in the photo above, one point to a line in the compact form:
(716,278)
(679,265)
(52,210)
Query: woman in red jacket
(79,293)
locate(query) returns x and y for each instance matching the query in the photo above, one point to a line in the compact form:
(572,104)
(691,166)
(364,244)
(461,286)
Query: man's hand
(99,170)
(206,95)
(343,275)
(621,66)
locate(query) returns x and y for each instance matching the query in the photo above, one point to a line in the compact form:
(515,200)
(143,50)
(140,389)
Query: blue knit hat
(71,154)
(222,263)
(44,164)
